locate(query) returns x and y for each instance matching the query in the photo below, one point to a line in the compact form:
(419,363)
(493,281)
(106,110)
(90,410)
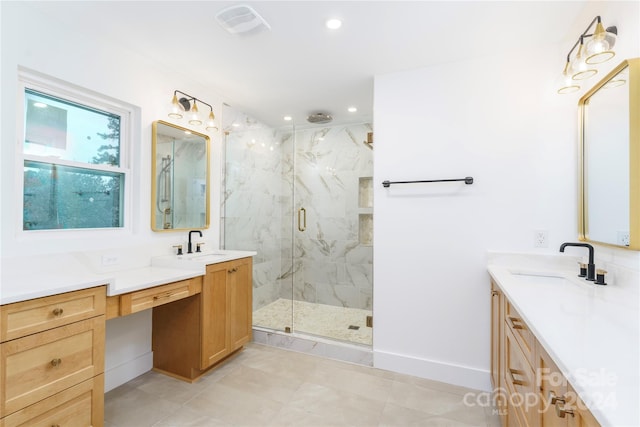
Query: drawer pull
(57,311)
(494,293)
(513,373)
(562,412)
(55,425)
(233,270)
(515,322)
(559,403)
(555,399)
(56,362)
(165,295)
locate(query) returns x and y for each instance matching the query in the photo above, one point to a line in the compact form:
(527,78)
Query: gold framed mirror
(609,211)
(180,178)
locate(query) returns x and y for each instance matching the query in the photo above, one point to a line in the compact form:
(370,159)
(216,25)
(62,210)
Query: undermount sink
(539,279)
(195,256)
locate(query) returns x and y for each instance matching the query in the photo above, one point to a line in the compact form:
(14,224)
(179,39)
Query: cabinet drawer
(37,366)
(158,295)
(521,332)
(78,406)
(29,317)
(520,381)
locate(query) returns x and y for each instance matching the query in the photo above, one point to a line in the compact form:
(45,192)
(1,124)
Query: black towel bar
(467,180)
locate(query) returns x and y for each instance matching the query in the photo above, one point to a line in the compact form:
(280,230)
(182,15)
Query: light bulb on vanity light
(599,47)
(567,83)
(175,110)
(211,123)
(194,116)
(580,70)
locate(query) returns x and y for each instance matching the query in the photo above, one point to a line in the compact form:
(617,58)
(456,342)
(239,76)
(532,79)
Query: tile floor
(316,319)
(267,386)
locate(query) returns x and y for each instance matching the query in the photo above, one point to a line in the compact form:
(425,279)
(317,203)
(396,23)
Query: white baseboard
(464,376)
(127,371)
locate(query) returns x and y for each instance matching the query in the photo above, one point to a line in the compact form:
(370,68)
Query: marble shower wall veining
(330,264)
(254,203)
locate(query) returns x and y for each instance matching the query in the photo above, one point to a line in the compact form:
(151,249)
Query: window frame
(69,92)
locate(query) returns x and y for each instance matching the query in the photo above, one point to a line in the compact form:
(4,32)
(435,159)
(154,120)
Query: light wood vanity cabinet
(52,360)
(195,333)
(525,378)
(497,356)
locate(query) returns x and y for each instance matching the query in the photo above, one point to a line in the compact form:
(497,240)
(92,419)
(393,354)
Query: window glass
(70,131)
(58,197)
(73,176)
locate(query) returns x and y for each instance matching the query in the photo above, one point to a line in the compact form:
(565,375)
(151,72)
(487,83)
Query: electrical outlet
(623,238)
(540,239)
(111,259)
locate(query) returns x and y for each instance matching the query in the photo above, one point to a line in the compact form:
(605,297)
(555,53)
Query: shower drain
(354,327)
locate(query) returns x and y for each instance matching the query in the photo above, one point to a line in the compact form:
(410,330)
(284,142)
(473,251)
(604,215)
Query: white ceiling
(299,66)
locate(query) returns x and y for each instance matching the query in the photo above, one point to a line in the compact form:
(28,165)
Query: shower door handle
(302,219)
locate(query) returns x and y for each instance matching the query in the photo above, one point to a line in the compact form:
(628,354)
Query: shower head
(319,118)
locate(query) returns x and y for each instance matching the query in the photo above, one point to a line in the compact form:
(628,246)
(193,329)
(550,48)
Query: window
(74,160)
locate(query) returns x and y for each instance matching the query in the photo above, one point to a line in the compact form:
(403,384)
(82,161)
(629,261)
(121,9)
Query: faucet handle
(179,249)
(583,269)
(600,277)
(198,245)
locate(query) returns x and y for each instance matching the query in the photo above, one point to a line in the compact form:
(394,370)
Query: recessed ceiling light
(235,125)
(333,24)
(352,109)
(288,118)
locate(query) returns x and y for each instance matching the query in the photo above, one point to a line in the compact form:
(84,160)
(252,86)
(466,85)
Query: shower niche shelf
(365,208)
(365,192)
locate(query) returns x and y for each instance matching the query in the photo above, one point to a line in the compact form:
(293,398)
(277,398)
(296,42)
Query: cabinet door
(214,315)
(240,291)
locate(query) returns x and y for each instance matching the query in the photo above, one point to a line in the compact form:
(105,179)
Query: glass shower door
(333,242)
(302,199)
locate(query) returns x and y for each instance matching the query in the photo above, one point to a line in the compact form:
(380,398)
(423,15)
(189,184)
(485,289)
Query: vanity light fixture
(188,105)
(593,48)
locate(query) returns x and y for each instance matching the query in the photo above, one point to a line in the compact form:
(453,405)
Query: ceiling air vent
(241,19)
(319,118)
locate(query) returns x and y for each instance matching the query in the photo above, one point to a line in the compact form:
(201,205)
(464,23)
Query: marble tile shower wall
(330,265)
(254,205)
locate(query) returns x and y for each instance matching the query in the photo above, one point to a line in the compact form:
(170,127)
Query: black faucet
(591,267)
(189,251)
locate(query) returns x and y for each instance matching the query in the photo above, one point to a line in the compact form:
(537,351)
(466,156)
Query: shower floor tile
(340,323)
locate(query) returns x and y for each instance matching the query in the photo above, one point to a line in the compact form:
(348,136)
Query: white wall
(31,40)
(496,119)
(499,120)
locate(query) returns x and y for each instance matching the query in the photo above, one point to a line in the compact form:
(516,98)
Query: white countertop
(592,333)
(27,278)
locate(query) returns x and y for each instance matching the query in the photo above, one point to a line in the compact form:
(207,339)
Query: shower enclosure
(302,198)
